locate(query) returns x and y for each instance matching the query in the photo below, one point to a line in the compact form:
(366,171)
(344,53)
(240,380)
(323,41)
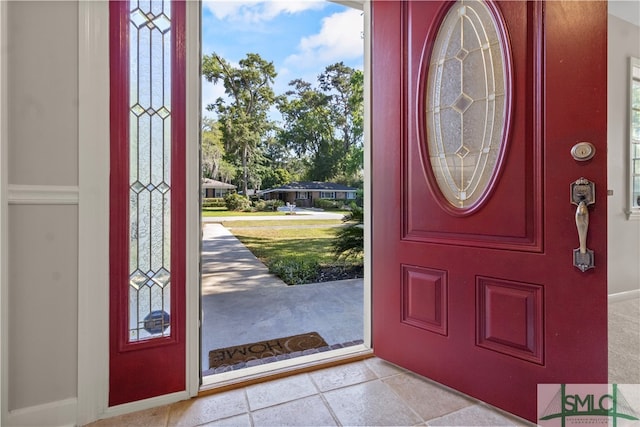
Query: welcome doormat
(264,349)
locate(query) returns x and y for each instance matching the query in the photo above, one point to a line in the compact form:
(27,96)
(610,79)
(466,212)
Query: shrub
(328,204)
(258,205)
(236,202)
(213,202)
(267,205)
(349,240)
(273,205)
(295,270)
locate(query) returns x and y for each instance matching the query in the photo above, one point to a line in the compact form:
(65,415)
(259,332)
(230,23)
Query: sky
(300,37)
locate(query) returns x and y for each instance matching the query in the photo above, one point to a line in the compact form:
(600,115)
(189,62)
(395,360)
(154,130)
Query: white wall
(42,131)
(624,234)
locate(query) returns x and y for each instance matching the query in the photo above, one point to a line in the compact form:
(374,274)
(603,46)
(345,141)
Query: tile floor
(369,393)
(624,342)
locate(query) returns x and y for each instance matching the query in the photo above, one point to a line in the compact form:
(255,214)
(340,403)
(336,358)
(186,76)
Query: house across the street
(304,193)
(214,188)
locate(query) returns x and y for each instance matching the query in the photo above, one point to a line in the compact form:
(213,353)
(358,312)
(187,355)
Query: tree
(213,160)
(243,116)
(308,129)
(345,88)
(324,125)
(275,177)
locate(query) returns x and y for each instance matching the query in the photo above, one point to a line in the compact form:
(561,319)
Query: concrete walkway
(242,303)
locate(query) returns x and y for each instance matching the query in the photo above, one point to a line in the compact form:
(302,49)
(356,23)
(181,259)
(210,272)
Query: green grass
(294,250)
(298,243)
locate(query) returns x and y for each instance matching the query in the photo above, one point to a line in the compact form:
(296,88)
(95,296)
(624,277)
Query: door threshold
(225,381)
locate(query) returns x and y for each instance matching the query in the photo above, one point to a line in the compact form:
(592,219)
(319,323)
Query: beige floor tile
(370,404)
(243,420)
(624,368)
(383,368)
(280,391)
(309,411)
(630,306)
(477,415)
(624,323)
(154,417)
(625,341)
(208,408)
(428,399)
(343,375)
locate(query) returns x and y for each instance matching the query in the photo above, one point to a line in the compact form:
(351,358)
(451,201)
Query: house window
(302,195)
(634,138)
(351,195)
(327,195)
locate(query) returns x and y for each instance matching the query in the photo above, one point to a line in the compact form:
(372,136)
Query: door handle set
(583,195)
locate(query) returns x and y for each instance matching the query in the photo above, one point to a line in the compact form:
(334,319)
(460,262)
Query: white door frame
(4,239)
(93,265)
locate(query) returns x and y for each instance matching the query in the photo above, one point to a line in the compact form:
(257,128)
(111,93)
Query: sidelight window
(634,137)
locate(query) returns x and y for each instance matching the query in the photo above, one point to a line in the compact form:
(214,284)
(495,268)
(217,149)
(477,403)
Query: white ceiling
(629,10)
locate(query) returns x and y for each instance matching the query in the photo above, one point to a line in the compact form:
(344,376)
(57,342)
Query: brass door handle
(582,223)
(583,194)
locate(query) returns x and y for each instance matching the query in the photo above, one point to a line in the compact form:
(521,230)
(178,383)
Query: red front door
(476,108)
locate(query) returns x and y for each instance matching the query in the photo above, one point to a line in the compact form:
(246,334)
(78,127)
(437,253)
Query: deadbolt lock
(583,151)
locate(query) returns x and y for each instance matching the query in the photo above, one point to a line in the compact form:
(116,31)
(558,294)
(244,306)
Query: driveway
(300,214)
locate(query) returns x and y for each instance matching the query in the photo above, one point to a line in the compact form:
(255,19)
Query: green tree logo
(611,405)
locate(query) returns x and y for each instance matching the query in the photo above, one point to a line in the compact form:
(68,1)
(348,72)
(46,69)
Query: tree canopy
(243,115)
(320,137)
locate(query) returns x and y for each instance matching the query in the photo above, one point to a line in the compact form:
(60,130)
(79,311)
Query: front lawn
(298,253)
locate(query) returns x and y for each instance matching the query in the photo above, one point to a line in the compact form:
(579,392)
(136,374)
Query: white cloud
(339,38)
(210,93)
(256,11)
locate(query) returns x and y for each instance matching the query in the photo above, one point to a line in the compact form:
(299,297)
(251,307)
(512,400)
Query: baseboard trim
(43,195)
(54,414)
(623,296)
(140,405)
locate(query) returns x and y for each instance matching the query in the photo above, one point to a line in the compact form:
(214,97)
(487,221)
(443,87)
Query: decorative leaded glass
(635,133)
(466,102)
(149,169)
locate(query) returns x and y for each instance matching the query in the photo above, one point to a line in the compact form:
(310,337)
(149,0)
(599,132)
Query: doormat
(264,349)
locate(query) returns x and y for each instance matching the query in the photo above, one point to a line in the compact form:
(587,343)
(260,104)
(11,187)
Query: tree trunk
(244,170)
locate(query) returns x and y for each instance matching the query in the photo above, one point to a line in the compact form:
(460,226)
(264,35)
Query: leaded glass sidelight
(149,169)
(466,98)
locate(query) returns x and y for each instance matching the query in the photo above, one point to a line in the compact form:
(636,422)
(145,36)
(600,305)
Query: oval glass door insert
(467,93)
